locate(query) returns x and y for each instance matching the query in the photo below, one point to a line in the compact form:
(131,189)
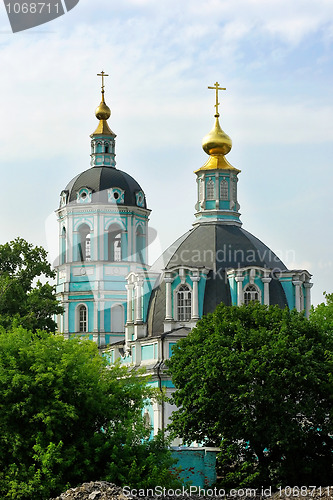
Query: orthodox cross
(217,88)
(102,74)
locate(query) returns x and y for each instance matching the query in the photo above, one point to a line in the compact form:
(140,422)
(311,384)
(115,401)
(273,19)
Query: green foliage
(322,315)
(257,381)
(24,300)
(66,417)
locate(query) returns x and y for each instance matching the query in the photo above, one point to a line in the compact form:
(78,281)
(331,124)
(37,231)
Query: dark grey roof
(99,180)
(217,247)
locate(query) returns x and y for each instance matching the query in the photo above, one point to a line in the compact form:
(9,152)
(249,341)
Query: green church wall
(288,288)
(195,466)
(147,352)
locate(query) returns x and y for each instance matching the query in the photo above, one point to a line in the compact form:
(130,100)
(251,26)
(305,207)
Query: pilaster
(138,300)
(195,303)
(266,281)
(297,284)
(307,287)
(168,299)
(239,280)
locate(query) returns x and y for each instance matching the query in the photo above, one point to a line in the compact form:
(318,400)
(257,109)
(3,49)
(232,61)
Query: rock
(98,490)
(102,490)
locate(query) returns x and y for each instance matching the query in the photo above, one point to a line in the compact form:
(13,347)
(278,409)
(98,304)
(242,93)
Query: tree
(24,299)
(257,381)
(67,417)
(322,315)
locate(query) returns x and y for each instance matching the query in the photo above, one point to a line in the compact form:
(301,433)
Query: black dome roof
(99,180)
(217,247)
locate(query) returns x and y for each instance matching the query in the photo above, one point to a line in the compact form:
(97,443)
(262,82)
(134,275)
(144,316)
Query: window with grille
(82,318)
(210,190)
(251,294)
(184,303)
(224,190)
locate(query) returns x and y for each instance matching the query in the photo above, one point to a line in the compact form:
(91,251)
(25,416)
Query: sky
(274,57)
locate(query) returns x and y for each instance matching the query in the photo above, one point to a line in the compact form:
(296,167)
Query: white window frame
(210,189)
(84,321)
(224,189)
(181,317)
(253,290)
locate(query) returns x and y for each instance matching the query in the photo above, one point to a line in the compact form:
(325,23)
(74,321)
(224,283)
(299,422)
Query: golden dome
(103,111)
(217,142)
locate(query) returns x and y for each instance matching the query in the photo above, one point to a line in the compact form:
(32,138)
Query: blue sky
(275,58)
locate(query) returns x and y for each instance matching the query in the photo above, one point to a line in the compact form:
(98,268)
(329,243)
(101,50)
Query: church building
(137,312)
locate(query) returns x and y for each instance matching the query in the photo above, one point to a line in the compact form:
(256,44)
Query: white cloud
(161,56)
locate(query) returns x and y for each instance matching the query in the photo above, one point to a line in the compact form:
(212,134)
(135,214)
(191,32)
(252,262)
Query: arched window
(63,246)
(117,319)
(107,148)
(140,244)
(82,318)
(210,190)
(251,294)
(224,190)
(184,303)
(114,243)
(84,247)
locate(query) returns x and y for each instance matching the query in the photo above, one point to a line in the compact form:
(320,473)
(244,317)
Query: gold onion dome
(103,111)
(217,142)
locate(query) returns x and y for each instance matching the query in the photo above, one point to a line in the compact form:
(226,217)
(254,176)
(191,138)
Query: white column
(101,236)
(95,332)
(308,287)
(297,284)
(70,238)
(217,191)
(101,315)
(129,288)
(232,191)
(101,322)
(195,302)
(266,281)
(95,235)
(130,243)
(138,301)
(65,318)
(95,315)
(239,280)
(168,302)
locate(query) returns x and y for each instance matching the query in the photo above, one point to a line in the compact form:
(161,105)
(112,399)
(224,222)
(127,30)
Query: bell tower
(217,178)
(103,238)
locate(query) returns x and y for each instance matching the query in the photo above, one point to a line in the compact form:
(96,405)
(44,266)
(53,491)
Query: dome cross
(217,88)
(102,74)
